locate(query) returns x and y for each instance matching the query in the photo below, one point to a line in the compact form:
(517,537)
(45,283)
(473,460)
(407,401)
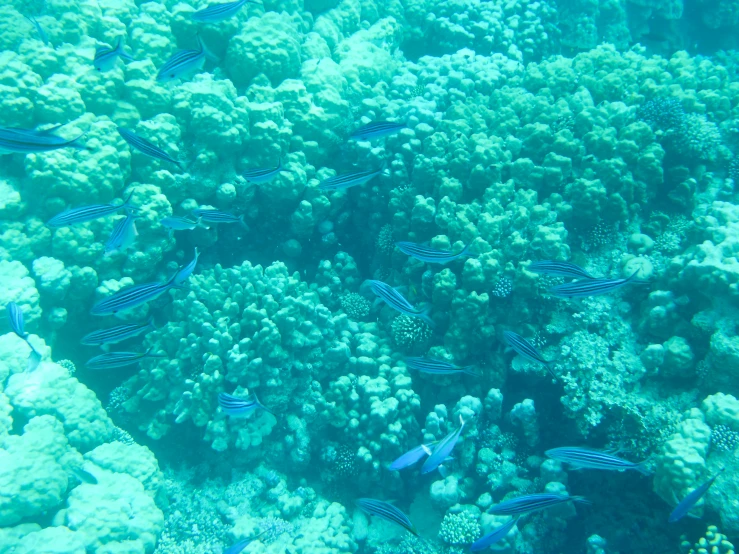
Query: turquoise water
(215,344)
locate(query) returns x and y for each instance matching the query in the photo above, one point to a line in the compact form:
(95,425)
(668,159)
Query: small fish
(494,536)
(183,62)
(397,302)
(184,274)
(443,449)
(428,254)
(114,360)
(88,213)
(411,457)
(376,129)
(84,476)
(176,223)
(687,503)
(386,511)
(533,503)
(348,180)
(39,29)
(130,297)
(526,350)
(439,367)
(236,548)
(116,334)
(105,57)
(263,174)
(593,287)
(123,236)
(239,407)
(216,216)
(145,147)
(15,318)
(594,459)
(559,269)
(24,141)
(220,12)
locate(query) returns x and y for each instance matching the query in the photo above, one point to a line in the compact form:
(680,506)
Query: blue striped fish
(411,457)
(438,367)
(533,503)
(397,302)
(114,360)
(689,502)
(496,535)
(428,254)
(210,215)
(105,57)
(348,180)
(239,407)
(88,213)
(183,62)
(220,12)
(145,147)
(594,459)
(116,334)
(184,274)
(130,297)
(443,449)
(39,29)
(386,511)
(593,287)
(559,269)
(376,129)
(14,140)
(261,175)
(526,350)
(123,236)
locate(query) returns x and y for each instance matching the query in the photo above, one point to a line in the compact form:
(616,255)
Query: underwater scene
(369,277)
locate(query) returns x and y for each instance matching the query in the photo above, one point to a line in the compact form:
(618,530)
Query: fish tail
(151,323)
(204,50)
(127,203)
(242,222)
(643,469)
(265,408)
(581,500)
(471,370)
(548,366)
(425,316)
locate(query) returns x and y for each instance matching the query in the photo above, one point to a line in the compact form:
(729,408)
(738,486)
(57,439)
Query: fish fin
(265,408)
(51,129)
(551,372)
(34,358)
(122,53)
(204,49)
(443,471)
(470,370)
(643,469)
(424,315)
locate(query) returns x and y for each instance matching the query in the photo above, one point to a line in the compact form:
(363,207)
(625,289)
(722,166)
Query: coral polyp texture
(435,256)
